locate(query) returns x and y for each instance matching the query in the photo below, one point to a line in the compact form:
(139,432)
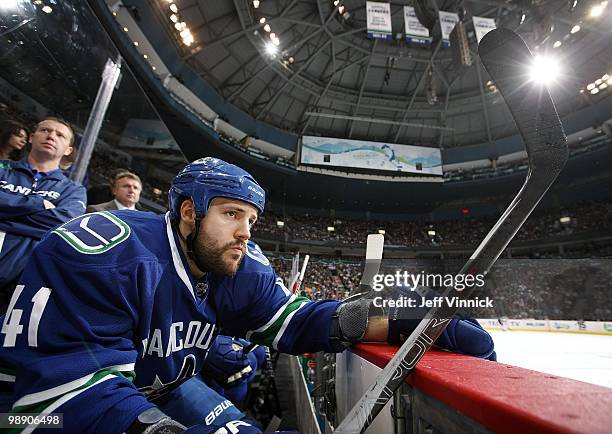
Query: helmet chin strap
(190,240)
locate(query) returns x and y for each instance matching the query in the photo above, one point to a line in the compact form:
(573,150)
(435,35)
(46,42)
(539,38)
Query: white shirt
(122,206)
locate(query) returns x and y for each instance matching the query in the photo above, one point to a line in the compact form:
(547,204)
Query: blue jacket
(23,217)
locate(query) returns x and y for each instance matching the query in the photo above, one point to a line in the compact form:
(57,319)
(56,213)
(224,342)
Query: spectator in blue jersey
(13,138)
(112,319)
(35,196)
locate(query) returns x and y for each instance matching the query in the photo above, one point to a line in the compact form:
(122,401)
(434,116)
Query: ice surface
(582,357)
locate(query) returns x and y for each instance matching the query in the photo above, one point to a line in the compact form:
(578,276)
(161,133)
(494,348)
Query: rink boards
(587,327)
(456,393)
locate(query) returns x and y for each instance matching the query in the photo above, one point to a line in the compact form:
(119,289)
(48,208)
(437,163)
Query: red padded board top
(504,398)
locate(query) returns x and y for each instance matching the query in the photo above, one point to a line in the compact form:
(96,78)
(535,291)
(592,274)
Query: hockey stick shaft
(298,283)
(505,57)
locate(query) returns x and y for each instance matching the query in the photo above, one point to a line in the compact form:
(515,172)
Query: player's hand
(462,335)
(48,205)
(226,363)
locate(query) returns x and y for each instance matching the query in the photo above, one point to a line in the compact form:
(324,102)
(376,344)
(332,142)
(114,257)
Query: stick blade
(507,59)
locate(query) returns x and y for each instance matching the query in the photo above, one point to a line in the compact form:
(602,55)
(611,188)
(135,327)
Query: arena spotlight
(431,233)
(565,219)
(262,20)
(575,29)
(280,223)
(331,229)
(267,28)
(557,44)
(271,48)
(173,8)
(545,69)
(381,231)
(8,5)
(255,4)
(598,9)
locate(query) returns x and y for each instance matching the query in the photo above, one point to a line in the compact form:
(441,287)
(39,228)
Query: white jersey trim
(7,378)
(176,257)
(62,400)
(278,313)
(44,395)
(280,333)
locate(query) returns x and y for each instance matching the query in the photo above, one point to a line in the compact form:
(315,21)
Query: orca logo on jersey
(254,252)
(94,233)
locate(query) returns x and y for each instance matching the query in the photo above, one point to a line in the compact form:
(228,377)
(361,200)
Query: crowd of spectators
(560,289)
(581,218)
(510,167)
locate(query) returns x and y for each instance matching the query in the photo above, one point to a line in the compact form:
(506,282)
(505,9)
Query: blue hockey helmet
(207,178)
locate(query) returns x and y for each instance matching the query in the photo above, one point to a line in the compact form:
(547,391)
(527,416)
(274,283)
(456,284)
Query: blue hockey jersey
(107,318)
(23,217)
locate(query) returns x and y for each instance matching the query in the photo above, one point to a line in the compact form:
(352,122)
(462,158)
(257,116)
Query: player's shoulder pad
(254,260)
(99,232)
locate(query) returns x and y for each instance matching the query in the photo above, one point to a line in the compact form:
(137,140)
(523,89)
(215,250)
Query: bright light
(276,41)
(173,8)
(47,9)
(575,29)
(341,9)
(336,2)
(9,5)
(267,28)
(590,86)
(154,68)
(262,20)
(598,81)
(523,16)
(280,223)
(145,56)
(183,25)
(255,4)
(135,43)
(291,60)
(185,33)
(125,29)
(544,70)
(557,44)
(605,77)
(173,18)
(594,91)
(381,231)
(602,86)
(597,10)
(609,81)
(272,35)
(431,233)
(565,219)
(177,26)
(330,229)
(271,48)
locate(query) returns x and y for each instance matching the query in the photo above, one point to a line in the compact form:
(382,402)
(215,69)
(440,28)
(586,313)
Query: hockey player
(114,313)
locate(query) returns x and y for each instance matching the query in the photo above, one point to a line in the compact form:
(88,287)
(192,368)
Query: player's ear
(187,212)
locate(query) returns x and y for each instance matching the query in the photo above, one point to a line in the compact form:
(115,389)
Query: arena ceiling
(329,79)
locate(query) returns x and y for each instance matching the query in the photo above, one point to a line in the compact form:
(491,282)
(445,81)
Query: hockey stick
(298,283)
(374,251)
(505,57)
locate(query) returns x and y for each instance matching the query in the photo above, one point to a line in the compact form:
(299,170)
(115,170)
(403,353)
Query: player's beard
(209,257)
